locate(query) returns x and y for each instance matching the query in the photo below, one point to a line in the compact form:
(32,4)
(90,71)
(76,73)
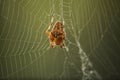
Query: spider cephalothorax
(57,35)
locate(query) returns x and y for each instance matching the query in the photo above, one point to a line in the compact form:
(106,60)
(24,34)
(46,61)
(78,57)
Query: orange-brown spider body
(57,35)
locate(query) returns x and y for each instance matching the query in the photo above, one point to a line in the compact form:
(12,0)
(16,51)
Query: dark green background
(24,47)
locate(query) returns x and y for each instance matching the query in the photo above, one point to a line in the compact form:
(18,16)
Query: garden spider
(57,35)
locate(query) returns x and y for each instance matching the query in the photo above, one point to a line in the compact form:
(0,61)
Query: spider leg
(51,23)
(47,31)
(63,21)
(52,19)
(52,44)
(63,45)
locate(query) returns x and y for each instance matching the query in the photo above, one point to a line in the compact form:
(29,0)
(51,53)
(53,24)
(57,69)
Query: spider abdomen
(58,41)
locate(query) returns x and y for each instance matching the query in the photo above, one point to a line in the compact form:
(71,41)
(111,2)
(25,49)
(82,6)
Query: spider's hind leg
(63,46)
(52,44)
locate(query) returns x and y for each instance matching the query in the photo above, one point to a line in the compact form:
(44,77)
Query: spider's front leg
(63,22)
(51,23)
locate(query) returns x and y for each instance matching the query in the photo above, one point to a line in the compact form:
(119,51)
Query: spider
(57,35)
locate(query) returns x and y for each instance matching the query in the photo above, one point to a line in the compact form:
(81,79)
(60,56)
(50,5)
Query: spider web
(25,52)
